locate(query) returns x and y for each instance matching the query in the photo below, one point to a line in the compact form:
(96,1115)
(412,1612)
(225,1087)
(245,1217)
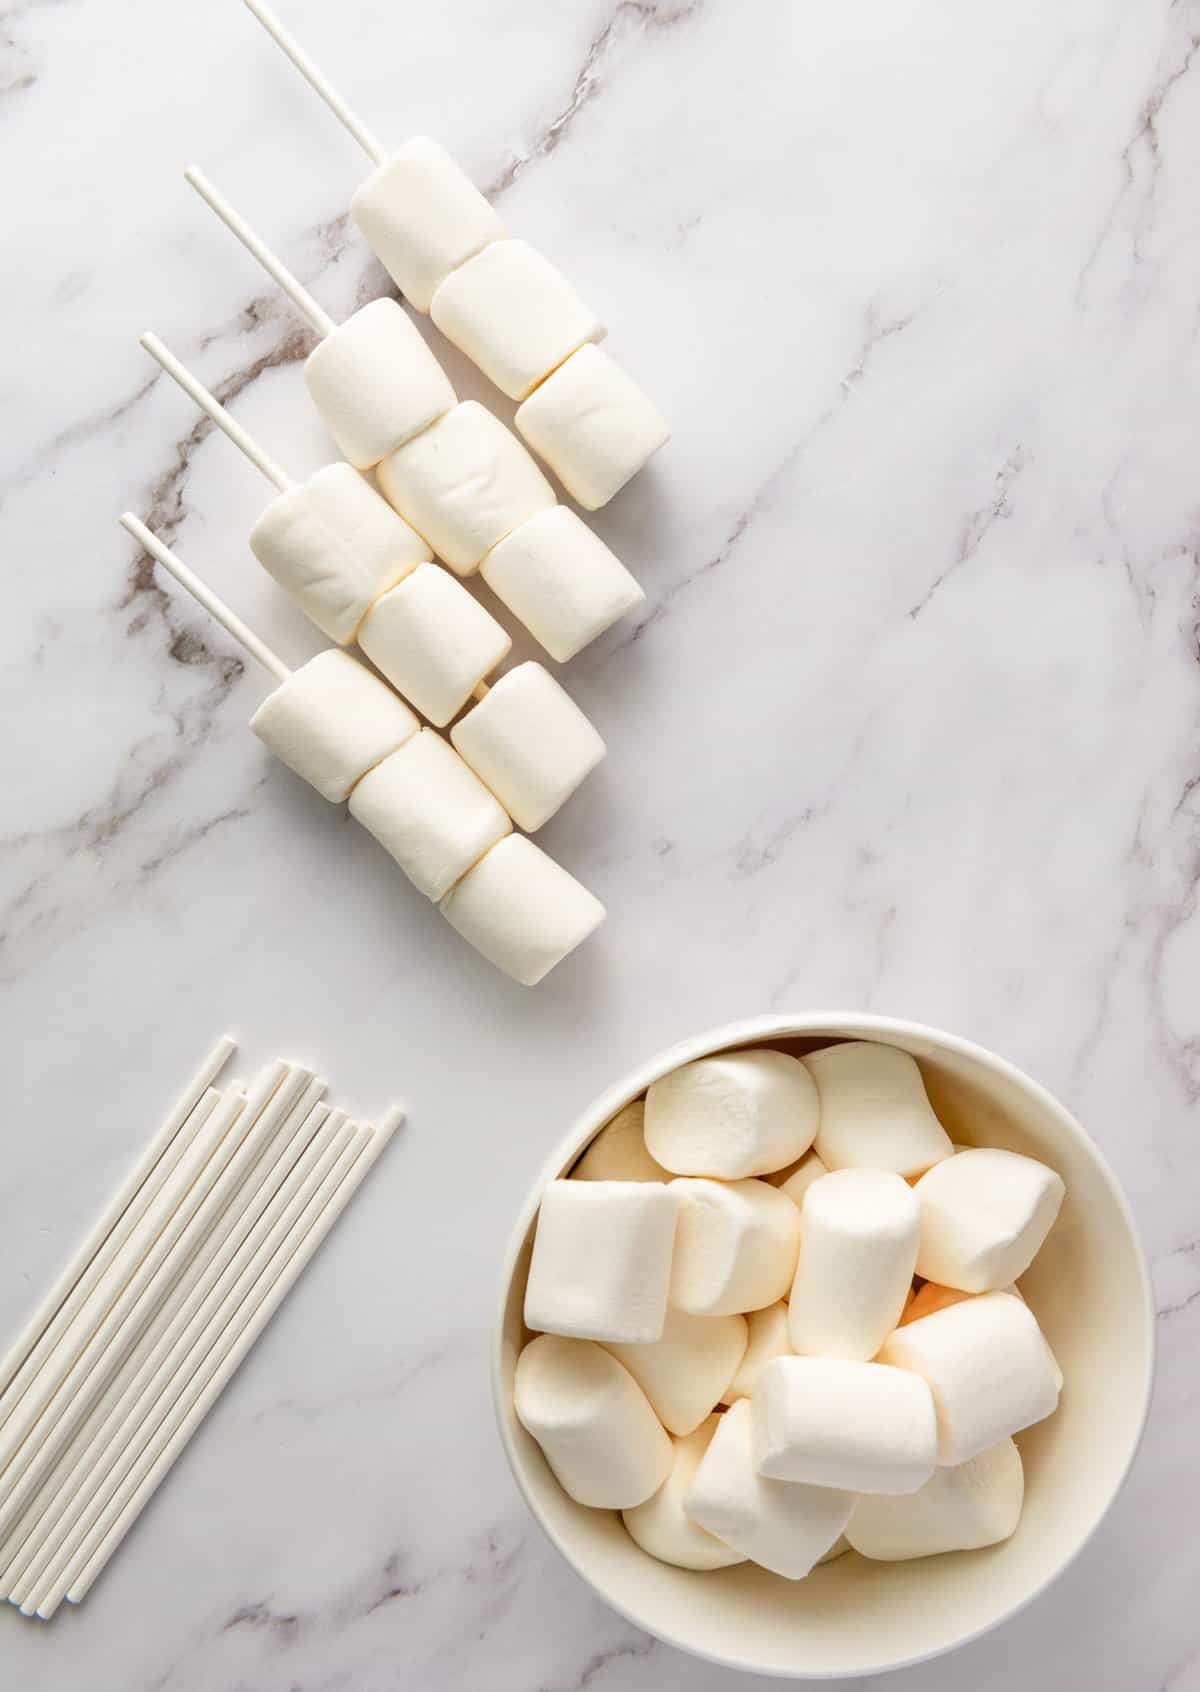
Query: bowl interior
(1089,1290)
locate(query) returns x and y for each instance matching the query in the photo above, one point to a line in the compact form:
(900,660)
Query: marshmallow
(858,1233)
(743,1113)
(781,1526)
(521,910)
(464,484)
(593,1422)
(988,1366)
(833,1421)
(659,1525)
(331,721)
(530,743)
(559,579)
(984,1216)
(376,383)
(514,314)
(797,1178)
(962,1508)
(932,1298)
(736,1246)
(768,1338)
(433,641)
(874,1110)
(618,1153)
(430,811)
(335,546)
(687,1372)
(602,1261)
(592,425)
(838,1549)
(424,217)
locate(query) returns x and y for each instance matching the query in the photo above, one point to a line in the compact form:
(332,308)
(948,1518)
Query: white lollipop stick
(204,595)
(106,1230)
(212,407)
(274,267)
(317,80)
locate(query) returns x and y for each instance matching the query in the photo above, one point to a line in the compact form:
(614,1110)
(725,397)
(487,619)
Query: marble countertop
(908,722)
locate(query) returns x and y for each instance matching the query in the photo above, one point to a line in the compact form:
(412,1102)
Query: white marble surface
(908,723)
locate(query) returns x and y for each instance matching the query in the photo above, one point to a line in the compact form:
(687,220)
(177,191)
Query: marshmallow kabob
(452,470)
(358,570)
(511,311)
(345,732)
(728,1348)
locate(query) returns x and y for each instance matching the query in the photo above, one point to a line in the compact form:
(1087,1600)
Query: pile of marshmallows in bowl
(776,1317)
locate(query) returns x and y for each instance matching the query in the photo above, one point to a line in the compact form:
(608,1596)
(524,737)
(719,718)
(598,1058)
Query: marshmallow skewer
(117,1208)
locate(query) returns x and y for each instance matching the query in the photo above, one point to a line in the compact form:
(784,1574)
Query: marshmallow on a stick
(433,641)
(859,1231)
(601,1261)
(559,578)
(522,911)
(875,1112)
(660,1525)
(960,1508)
(592,425)
(731,1116)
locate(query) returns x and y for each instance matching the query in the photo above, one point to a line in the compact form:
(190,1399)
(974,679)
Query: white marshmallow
(521,910)
(464,484)
(659,1525)
(430,811)
(558,578)
(984,1216)
(433,641)
(514,314)
(838,1549)
(335,546)
(933,1297)
(602,1261)
(858,1244)
(423,216)
(988,1366)
(781,1526)
(593,1422)
(331,721)
(833,1421)
(958,1509)
(376,383)
(875,1113)
(687,1372)
(740,1114)
(797,1178)
(736,1246)
(618,1153)
(530,743)
(768,1338)
(592,425)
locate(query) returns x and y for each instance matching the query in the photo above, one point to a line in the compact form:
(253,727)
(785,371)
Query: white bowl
(1091,1293)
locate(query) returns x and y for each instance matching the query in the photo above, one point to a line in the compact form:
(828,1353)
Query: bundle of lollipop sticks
(139,1335)
(354,545)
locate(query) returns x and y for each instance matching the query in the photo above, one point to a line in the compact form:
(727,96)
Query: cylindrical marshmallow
(988,1366)
(832,1421)
(984,1215)
(430,811)
(781,1526)
(593,1422)
(601,1261)
(618,1153)
(433,641)
(838,1549)
(529,742)
(592,425)
(735,1249)
(521,910)
(335,546)
(514,314)
(933,1297)
(858,1244)
(376,383)
(424,217)
(740,1114)
(332,721)
(875,1113)
(768,1338)
(465,484)
(558,578)
(659,1525)
(797,1178)
(687,1372)
(962,1508)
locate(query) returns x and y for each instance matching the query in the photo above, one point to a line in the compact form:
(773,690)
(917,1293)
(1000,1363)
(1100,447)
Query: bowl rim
(756,1030)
